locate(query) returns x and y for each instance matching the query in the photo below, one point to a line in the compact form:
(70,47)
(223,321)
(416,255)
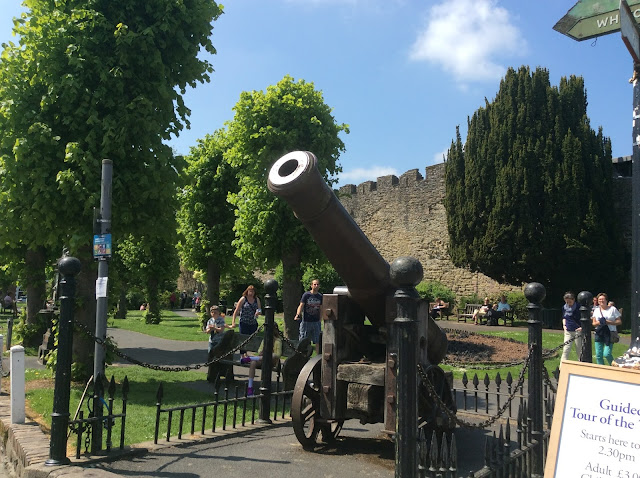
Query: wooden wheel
(305,406)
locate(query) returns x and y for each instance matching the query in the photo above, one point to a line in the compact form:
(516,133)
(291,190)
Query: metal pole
(535,293)
(270,300)
(406,273)
(103,265)
(68,267)
(635,208)
(585,299)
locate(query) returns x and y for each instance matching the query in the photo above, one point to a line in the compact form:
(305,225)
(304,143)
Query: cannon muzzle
(296,179)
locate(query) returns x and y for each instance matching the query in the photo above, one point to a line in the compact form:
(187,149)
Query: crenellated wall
(405,216)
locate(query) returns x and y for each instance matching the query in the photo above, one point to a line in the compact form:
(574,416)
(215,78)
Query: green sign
(593,18)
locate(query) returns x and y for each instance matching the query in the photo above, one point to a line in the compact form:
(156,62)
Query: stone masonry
(405,216)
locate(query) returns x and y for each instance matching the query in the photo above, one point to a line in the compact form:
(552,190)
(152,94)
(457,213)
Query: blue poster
(101,245)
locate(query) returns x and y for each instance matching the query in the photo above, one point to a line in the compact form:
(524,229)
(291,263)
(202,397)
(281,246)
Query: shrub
(135,297)
(470,299)
(430,290)
(518,303)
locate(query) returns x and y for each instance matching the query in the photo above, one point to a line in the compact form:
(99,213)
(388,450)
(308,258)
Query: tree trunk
(291,292)
(85,311)
(121,313)
(213,282)
(153,310)
(35,262)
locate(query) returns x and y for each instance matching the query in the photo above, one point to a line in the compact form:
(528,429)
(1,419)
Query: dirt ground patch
(470,347)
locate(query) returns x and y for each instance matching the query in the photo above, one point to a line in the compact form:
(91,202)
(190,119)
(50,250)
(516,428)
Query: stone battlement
(433,178)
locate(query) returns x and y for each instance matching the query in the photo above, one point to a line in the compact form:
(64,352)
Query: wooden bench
(290,364)
(467,311)
(507,316)
(45,347)
(442,312)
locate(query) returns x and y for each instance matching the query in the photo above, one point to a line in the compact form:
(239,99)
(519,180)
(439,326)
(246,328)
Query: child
(215,326)
(256,360)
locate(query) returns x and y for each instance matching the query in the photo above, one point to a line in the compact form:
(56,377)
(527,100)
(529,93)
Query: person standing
(183,299)
(309,313)
(248,307)
(571,325)
(172,300)
(215,326)
(604,316)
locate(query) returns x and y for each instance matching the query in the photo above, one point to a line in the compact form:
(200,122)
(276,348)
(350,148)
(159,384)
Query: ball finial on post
(406,271)
(535,292)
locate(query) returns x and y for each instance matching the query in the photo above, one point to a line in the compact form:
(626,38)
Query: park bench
(507,316)
(467,311)
(444,312)
(45,347)
(290,363)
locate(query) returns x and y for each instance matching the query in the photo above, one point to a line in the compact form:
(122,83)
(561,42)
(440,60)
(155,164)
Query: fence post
(68,267)
(17,384)
(585,299)
(535,293)
(406,273)
(270,299)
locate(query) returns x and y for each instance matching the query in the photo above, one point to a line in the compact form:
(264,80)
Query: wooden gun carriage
(354,376)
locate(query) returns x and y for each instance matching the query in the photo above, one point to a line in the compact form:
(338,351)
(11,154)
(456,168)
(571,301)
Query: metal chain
(293,346)
(452,416)
(83,328)
(547,380)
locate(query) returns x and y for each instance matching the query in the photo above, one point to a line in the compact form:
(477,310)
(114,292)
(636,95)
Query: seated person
(501,307)
(482,311)
(438,306)
(8,302)
(255,361)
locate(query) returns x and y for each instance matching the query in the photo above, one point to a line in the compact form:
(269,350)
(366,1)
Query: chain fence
(113,348)
(491,420)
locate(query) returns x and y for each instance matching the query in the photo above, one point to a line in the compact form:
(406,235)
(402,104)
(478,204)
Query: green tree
(286,117)
(151,262)
(205,217)
(90,80)
(528,196)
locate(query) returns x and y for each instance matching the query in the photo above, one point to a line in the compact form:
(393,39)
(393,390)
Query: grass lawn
(173,326)
(141,404)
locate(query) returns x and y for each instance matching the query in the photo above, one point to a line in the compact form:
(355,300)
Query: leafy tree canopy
(289,116)
(529,195)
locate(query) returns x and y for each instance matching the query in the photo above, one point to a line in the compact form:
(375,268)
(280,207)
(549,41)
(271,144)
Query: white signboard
(596,423)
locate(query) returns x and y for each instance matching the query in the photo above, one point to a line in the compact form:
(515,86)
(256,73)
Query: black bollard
(68,268)
(585,299)
(535,293)
(270,300)
(406,273)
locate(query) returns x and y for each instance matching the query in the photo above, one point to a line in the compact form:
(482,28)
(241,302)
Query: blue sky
(402,73)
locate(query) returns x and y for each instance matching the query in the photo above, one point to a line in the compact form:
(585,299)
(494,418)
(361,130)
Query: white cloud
(439,157)
(359,175)
(467,38)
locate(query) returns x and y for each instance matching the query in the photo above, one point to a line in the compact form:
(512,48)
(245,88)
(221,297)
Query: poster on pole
(596,423)
(101,246)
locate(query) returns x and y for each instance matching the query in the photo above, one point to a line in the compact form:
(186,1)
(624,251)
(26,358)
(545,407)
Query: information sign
(592,18)
(101,245)
(596,423)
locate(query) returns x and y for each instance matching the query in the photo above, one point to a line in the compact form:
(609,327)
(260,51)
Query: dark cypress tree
(529,193)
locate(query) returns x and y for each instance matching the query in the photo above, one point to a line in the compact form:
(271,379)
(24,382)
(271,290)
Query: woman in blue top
(249,308)
(571,325)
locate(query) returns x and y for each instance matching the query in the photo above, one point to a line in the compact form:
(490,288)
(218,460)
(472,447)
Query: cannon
(354,376)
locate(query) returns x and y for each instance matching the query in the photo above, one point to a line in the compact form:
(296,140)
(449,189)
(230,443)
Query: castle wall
(405,216)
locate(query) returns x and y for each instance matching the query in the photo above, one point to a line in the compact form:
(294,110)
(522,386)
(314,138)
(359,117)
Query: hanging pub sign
(101,245)
(596,423)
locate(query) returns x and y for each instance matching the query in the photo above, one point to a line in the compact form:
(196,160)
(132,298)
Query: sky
(401,73)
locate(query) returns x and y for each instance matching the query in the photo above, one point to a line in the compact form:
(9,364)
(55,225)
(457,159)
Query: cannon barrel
(296,179)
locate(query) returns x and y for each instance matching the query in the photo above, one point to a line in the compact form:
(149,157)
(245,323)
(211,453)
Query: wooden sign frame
(596,423)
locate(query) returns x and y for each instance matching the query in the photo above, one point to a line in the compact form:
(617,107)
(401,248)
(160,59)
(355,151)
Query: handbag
(615,337)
